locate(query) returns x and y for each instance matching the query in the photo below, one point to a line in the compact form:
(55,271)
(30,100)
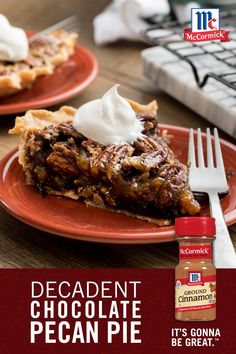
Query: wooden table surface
(22,246)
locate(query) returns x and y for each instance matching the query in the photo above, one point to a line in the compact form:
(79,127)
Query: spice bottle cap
(195,226)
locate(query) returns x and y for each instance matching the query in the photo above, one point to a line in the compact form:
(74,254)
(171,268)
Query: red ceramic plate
(74,219)
(67,81)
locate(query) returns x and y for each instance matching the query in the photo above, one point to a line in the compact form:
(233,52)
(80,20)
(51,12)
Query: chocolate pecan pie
(45,54)
(143,178)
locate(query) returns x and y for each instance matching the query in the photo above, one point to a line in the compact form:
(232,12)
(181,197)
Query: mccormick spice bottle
(195,275)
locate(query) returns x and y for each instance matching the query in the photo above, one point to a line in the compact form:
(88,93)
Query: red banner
(220,35)
(108,311)
(194,308)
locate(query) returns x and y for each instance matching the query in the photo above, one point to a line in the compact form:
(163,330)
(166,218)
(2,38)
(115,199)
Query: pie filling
(143,177)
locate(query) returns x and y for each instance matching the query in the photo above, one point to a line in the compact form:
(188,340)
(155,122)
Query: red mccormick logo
(195,278)
(205,26)
(187,252)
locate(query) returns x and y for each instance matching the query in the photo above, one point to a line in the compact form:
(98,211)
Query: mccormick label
(191,252)
(195,278)
(205,26)
(196,292)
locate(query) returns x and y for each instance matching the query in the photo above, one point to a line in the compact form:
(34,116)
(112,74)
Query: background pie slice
(45,54)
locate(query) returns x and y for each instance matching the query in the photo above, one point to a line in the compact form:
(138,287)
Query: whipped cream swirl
(108,120)
(14,45)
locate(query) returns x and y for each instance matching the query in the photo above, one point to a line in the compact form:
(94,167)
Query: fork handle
(224,253)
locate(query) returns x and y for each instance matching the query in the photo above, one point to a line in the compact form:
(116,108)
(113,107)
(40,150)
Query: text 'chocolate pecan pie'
(143,178)
(45,54)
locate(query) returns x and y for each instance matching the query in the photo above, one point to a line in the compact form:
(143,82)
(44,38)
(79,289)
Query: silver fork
(211,179)
(70,24)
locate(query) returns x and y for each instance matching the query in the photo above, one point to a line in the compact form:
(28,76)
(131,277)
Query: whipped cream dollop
(14,45)
(108,120)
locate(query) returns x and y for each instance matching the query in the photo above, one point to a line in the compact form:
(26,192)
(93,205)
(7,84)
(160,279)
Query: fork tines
(70,24)
(206,175)
(210,160)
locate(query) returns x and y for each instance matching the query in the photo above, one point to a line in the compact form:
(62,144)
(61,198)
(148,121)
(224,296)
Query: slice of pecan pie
(143,178)
(45,54)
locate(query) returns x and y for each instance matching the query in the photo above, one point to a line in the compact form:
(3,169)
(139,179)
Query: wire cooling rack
(169,34)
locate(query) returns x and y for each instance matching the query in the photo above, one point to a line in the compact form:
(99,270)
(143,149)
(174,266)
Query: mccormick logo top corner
(205,26)
(205,19)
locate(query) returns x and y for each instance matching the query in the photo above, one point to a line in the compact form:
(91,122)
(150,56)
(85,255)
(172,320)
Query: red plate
(67,81)
(74,219)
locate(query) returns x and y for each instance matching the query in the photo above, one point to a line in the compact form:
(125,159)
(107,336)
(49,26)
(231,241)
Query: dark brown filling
(143,177)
